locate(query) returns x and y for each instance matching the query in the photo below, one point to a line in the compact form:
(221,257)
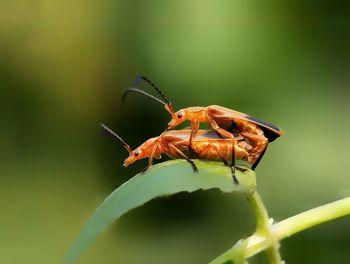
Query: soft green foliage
(256,243)
(177,176)
(162,179)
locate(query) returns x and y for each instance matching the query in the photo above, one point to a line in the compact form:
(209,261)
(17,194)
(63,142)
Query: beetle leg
(233,163)
(194,167)
(259,158)
(253,137)
(150,160)
(220,130)
(259,144)
(207,148)
(237,136)
(194,129)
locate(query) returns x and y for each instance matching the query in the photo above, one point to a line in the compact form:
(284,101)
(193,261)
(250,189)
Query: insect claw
(194,167)
(145,169)
(235,180)
(225,162)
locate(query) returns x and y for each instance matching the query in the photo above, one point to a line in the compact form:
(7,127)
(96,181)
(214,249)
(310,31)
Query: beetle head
(133,156)
(177,118)
(143,151)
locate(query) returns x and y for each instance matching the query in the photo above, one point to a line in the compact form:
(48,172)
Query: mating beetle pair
(235,135)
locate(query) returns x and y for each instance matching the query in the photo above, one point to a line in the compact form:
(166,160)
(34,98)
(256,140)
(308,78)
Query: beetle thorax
(149,144)
(196,113)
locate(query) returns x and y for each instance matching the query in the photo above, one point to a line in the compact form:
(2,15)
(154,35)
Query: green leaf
(162,179)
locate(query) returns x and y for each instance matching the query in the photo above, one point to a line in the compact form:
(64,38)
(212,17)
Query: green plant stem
(257,243)
(311,218)
(263,227)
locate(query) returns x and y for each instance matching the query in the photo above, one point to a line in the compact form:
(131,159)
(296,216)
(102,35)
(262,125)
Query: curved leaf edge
(163,179)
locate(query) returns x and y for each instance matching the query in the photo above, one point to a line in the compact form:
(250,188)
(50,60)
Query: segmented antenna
(155,87)
(110,131)
(127,91)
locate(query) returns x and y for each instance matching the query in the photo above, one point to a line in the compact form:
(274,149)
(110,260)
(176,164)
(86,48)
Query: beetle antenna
(110,131)
(155,87)
(127,91)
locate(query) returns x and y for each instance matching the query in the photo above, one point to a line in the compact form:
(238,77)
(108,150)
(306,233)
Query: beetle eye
(179,115)
(136,153)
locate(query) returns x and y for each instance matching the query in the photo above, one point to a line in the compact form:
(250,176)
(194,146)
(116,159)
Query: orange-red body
(225,121)
(206,145)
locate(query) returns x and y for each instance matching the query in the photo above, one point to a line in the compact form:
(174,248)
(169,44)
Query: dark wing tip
(266,124)
(271,131)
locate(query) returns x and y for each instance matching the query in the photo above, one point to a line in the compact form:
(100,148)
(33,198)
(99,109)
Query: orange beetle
(225,121)
(206,145)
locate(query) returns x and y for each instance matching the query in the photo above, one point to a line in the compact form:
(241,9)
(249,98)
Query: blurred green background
(63,67)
